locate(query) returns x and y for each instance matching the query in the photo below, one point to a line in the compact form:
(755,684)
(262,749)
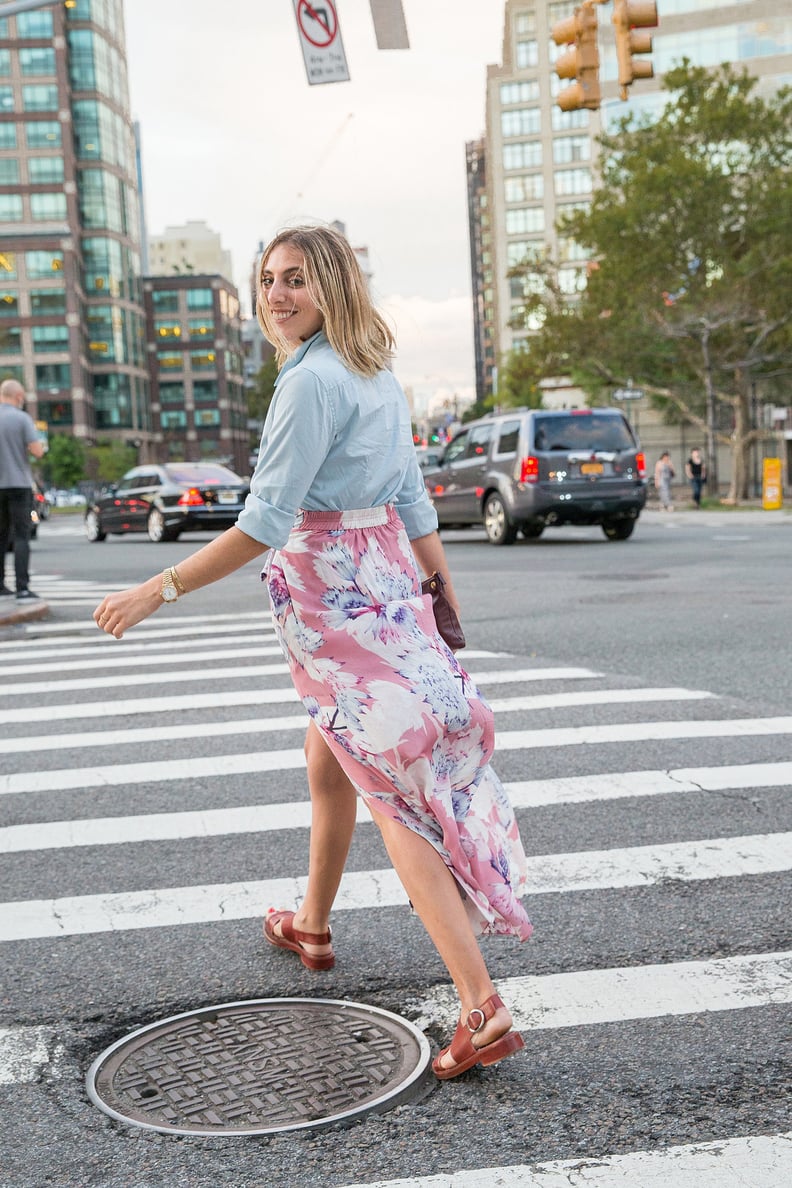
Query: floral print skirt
(402,717)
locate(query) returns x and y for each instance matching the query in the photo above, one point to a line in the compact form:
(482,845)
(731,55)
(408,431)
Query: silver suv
(526,469)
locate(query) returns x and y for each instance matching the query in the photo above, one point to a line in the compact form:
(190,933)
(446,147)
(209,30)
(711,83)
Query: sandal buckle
(478,1027)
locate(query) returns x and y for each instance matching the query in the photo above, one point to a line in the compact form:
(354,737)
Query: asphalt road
(693,602)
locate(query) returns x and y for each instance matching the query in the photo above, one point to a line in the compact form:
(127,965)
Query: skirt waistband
(362,517)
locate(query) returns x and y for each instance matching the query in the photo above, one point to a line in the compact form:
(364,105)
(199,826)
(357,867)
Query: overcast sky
(232,134)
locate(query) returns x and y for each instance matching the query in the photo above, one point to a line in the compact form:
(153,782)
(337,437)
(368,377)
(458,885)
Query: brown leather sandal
(462,1050)
(291,938)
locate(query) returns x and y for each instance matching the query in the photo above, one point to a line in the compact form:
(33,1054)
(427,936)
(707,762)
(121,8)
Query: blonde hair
(335,283)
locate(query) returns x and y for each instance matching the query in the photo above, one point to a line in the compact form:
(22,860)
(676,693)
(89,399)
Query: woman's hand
(116,613)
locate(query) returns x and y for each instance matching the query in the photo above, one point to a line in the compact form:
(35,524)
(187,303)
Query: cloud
(434,345)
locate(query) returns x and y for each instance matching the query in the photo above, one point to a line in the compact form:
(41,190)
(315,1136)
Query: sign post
(320,39)
(772,497)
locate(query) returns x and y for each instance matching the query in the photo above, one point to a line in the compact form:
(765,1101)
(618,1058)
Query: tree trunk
(741,444)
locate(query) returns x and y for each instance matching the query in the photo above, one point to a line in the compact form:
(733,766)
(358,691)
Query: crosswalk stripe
(102,644)
(107,738)
(206,766)
(589,997)
(154,624)
(638,866)
(27,1052)
(181,656)
(496,677)
(758,1161)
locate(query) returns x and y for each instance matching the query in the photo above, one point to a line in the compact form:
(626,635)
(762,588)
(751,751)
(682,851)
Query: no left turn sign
(320,38)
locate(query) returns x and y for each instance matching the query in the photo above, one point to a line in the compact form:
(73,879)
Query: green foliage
(64,462)
(259,397)
(518,381)
(109,460)
(690,238)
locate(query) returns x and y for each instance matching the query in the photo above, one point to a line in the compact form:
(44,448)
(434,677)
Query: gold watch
(169,591)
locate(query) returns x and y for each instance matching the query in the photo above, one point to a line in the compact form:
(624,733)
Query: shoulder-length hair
(336,285)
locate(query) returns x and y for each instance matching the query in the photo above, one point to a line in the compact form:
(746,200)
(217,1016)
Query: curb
(27,614)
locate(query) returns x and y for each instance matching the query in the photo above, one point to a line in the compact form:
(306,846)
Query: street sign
(629,394)
(320,39)
(390,27)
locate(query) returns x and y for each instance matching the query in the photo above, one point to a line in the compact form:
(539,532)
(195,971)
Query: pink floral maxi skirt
(403,718)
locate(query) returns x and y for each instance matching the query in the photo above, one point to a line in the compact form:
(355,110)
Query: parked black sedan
(166,500)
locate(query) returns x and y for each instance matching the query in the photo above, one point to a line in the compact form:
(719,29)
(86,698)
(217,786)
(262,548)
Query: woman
(664,472)
(338,494)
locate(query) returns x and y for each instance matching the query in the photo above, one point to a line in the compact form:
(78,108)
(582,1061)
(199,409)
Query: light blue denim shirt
(334,441)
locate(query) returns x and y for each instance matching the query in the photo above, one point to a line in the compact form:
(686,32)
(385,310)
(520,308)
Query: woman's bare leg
(434,893)
(333,812)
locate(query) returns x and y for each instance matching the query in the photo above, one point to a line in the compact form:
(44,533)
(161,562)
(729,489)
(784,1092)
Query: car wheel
(618,529)
(93,526)
(532,531)
(499,528)
(156,527)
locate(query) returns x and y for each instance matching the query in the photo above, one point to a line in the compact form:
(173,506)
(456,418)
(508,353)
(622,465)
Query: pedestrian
(338,498)
(664,472)
(696,471)
(18,439)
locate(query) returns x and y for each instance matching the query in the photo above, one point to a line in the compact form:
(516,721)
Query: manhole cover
(262,1066)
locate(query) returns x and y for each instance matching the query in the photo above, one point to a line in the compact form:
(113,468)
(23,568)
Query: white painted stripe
(100,738)
(497,677)
(619,784)
(27,1052)
(134,706)
(147,734)
(759,1161)
(179,620)
(586,998)
(640,866)
(47,649)
(622,732)
(184,655)
(597,697)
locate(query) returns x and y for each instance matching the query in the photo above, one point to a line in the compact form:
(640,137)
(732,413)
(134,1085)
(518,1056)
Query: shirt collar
(298,355)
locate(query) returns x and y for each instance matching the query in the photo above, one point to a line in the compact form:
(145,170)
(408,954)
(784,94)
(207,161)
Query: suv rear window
(590,431)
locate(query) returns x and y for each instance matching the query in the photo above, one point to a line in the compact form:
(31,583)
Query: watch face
(169,593)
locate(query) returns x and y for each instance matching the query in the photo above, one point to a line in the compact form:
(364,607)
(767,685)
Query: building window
(39,265)
(50,338)
(521,121)
(203,360)
(9,171)
(34,24)
(170,360)
(102,259)
(5,63)
(207,417)
(55,412)
(53,375)
(39,61)
(564,121)
(171,393)
(572,181)
(10,208)
(528,188)
(567,149)
(527,54)
(8,266)
(205,392)
(519,92)
(174,419)
(201,327)
(45,171)
(10,340)
(525,220)
(47,207)
(44,302)
(526,154)
(8,137)
(165,328)
(525,22)
(165,301)
(560,10)
(200,299)
(101,201)
(517,251)
(40,97)
(571,280)
(43,134)
(569,251)
(6,98)
(9,304)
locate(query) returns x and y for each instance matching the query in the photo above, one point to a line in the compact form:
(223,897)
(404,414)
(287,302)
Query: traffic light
(629,15)
(581,60)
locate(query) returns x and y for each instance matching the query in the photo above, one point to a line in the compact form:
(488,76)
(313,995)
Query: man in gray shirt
(18,439)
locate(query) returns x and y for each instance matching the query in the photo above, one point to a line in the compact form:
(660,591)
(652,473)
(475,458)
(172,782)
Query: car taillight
(529,469)
(640,462)
(191,498)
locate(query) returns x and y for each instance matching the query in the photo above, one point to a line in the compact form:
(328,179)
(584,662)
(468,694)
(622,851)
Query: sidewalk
(12,613)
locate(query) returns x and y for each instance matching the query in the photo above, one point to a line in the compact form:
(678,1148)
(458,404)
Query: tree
(64,462)
(689,237)
(109,460)
(518,380)
(259,396)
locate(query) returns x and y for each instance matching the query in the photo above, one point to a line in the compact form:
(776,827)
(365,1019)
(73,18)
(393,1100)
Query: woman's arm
(118,612)
(430,555)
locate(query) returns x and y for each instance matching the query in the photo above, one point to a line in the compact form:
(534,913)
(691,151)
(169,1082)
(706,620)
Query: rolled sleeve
(413,503)
(298,432)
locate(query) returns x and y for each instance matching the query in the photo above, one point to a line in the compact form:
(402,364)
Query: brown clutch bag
(448,624)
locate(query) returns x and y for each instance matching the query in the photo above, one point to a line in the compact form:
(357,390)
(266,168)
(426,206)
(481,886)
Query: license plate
(227,497)
(591,468)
